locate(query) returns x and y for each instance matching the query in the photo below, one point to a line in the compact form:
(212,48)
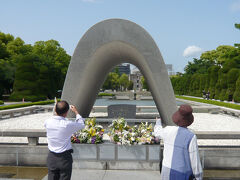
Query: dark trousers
(59,165)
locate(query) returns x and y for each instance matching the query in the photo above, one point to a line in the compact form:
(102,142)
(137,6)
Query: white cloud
(235,6)
(192,51)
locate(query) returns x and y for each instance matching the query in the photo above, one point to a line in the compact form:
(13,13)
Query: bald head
(62,108)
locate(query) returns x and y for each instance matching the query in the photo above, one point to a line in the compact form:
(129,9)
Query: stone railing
(10,113)
(196,109)
(111,156)
(229,111)
(32,134)
(138,108)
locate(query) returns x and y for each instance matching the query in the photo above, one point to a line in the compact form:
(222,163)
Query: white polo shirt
(60,130)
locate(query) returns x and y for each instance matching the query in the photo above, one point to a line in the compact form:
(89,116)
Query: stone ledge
(114,152)
(23,155)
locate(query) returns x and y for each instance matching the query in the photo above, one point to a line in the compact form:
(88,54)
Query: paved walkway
(231,102)
(81,174)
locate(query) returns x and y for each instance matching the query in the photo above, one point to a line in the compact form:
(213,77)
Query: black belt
(63,153)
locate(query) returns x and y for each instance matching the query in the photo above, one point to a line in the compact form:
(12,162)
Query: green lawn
(218,103)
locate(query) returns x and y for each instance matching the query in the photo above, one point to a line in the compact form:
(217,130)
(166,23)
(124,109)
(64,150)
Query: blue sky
(182,29)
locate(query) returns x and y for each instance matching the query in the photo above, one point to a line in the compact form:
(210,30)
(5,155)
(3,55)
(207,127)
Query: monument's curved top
(107,44)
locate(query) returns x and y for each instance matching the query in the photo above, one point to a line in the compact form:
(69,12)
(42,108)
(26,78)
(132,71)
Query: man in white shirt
(59,132)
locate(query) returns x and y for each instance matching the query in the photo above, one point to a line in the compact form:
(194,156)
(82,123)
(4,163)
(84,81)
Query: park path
(85,174)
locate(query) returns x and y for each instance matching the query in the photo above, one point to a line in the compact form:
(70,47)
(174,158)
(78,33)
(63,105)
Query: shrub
(217,91)
(26,104)
(1,102)
(19,97)
(236,95)
(232,77)
(105,94)
(213,78)
(223,95)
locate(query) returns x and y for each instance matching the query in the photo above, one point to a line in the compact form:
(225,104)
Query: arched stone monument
(107,44)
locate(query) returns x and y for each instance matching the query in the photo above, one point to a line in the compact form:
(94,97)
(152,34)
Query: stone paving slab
(113,174)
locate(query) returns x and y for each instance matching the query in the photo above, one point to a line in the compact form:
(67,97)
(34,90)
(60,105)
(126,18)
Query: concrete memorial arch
(107,44)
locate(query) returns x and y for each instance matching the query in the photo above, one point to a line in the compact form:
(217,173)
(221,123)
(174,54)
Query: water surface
(107,102)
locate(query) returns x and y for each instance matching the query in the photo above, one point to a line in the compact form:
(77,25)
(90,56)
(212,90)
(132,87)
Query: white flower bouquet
(123,134)
(91,134)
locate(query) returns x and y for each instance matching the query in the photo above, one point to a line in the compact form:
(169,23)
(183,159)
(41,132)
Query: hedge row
(105,94)
(33,98)
(218,103)
(26,104)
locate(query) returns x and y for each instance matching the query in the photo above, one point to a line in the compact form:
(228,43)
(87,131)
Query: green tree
(44,82)
(213,78)
(218,87)
(116,70)
(220,55)
(195,86)
(55,58)
(26,76)
(130,85)
(198,66)
(4,40)
(6,77)
(237,26)
(10,48)
(216,70)
(181,84)
(236,95)
(18,46)
(223,84)
(112,81)
(124,81)
(232,77)
(144,83)
(203,81)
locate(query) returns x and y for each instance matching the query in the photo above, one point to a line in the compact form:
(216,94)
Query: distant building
(135,77)
(123,68)
(170,69)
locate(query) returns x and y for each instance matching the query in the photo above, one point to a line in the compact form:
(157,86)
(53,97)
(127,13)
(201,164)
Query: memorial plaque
(122,110)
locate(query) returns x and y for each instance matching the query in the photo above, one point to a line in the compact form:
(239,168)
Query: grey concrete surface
(113,174)
(123,158)
(106,45)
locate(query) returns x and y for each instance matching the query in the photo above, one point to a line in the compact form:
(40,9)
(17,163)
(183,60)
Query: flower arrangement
(91,134)
(123,134)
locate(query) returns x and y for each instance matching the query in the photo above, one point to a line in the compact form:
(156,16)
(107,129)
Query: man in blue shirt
(59,132)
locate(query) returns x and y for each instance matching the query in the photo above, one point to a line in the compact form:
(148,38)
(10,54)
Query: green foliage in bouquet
(91,134)
(123,134)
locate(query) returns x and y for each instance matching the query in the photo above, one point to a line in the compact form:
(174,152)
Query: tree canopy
(216,71)
(46,61)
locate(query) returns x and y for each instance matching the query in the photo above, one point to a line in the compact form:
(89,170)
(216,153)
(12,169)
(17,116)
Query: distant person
(204,94)
(59,132)
(180,156)
(208,95)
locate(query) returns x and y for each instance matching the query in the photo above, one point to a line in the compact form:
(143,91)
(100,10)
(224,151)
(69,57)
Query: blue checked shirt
(180,156)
